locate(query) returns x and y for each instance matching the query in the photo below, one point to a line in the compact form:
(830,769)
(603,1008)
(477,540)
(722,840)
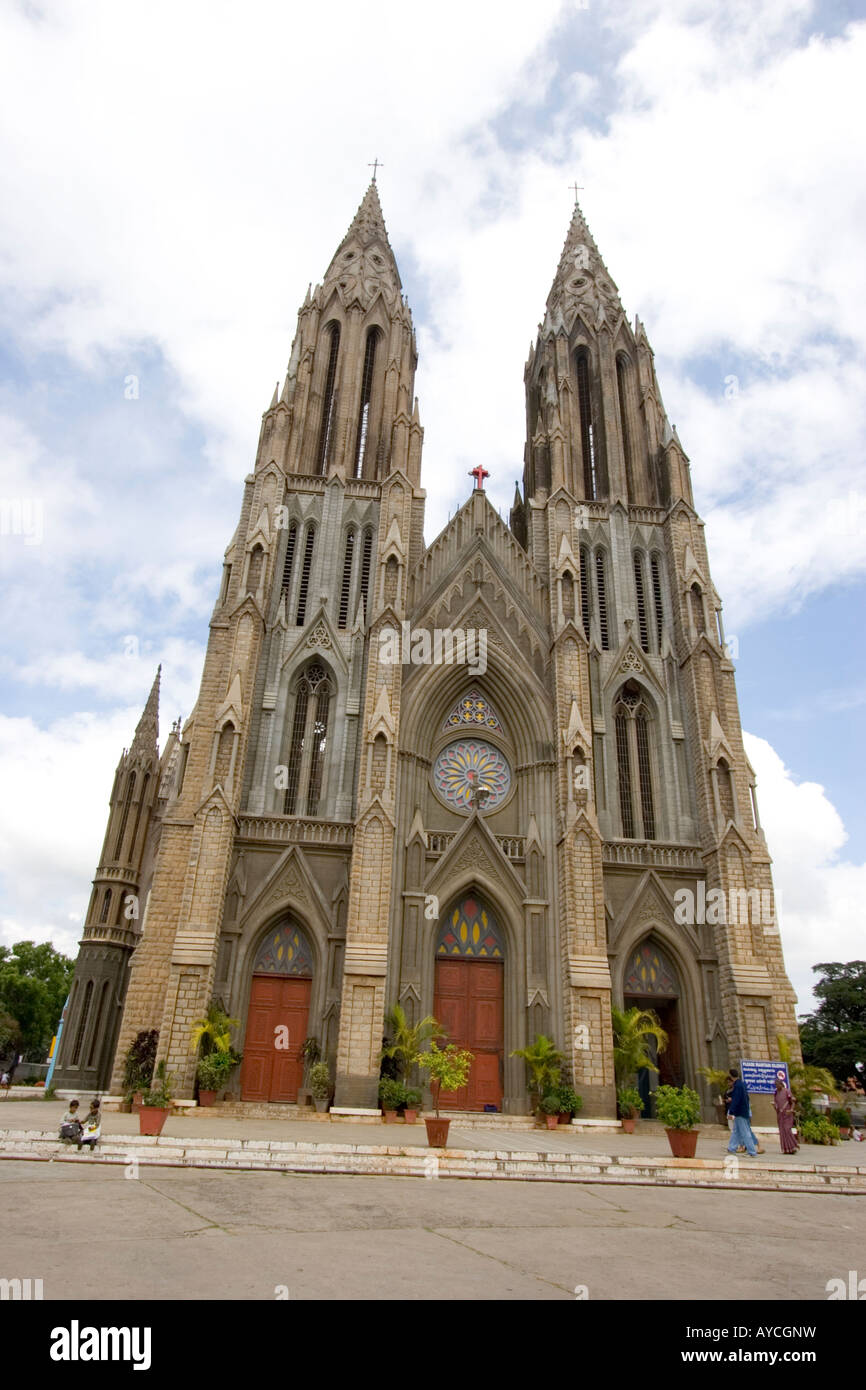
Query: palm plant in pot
(718,1079)
(630,1106)
(543,1060)
(406,1042)
(449,1071)
(156,1102)
(320,1085)
(213,1035)
(679,1109)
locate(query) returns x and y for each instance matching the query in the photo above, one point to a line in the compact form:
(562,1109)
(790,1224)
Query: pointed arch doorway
(651,982)
(273,1065)
(469,998)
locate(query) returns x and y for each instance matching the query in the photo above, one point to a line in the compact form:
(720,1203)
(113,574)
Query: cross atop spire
(479,473)
(376,165)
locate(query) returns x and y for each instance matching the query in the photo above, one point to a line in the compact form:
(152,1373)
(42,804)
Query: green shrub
(678,1107)
(629,1101)
(159,1093)
(550,1103)
(448,1067)
(139,1061)
(840,1117)
(392,1094)
(209,1073)
(413,1099)
(818,1131)
(569,1101)
(320,1080)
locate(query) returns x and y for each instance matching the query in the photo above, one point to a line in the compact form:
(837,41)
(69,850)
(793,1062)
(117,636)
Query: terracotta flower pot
(552,1121)
(628,1124)
(410,1116)
(389,1117)
(151,1119)
(136,1102)
(321,1103)
(206,1097)
(437,1131)
(564,1117)
(683,1142)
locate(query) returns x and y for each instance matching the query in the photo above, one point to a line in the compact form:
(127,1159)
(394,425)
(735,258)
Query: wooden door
(468,1002)
(270,1072)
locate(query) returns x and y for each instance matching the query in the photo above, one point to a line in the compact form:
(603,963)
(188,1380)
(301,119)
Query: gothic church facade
(507,845)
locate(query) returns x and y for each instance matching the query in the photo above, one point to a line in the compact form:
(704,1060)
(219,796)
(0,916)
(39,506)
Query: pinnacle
(147,730)
(366,229)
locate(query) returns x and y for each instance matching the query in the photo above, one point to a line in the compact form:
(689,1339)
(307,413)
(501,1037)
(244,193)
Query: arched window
(698,609)
(601,594)
(140,811)
(655,571)
(588,439)
(288,563)
(568,595)
(584,588)
(328,398)
(130,788)
(227,579)
(642,622)
(82,1023)
(254,572)
(726,790)
(634,763)
(346,586)
(224,753)
(366,554)
(106,904)
(94,1041)
(304,586)
(623,368)
(309,735)
(364,408)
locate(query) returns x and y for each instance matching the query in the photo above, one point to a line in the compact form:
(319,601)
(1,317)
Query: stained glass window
(470,930)
(463,766)
(650,972)
(284,951)
(474,710)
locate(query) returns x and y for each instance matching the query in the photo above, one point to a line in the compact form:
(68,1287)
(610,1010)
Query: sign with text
(760,1077)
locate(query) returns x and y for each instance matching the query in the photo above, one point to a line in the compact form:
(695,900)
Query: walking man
(740,1111)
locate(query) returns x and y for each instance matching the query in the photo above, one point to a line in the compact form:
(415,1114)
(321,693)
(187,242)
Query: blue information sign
(760,1077)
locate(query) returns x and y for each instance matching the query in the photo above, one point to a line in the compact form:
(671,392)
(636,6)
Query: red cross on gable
(479,473)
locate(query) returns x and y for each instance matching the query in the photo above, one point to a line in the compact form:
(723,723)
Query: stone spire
(144,744)
(364,263)
(581,284)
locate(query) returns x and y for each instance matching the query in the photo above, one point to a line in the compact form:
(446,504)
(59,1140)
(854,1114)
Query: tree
(448,1068)
(544,1061)
(34,983)
(632,1028)
(834,1036)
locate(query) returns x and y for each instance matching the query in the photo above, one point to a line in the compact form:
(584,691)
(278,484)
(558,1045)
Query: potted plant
(550,1109)
(156,1102)
(679,1109)
(212,1073)
(311,1053)
(449,1071)
(412,1105)
(320,1085)
(405,1042)
(543,1060)
(391,1097)
(630,1106)
(138,1066)
(842,1120)
(569,1104)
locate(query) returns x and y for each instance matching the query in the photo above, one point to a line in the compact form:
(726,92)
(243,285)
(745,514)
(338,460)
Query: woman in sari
(784,1103)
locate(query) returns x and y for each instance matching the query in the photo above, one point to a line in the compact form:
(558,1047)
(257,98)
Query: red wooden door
(270,1072)
(468,1002)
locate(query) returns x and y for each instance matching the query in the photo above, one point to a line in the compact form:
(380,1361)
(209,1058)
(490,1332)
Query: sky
(176,175)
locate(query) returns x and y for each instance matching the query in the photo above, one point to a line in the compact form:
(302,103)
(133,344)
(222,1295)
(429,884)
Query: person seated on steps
(92,1127)
(70,1125)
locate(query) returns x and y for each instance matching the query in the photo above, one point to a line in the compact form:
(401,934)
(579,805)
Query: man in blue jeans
(740,1112)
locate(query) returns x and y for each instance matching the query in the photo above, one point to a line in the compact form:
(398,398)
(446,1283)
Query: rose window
(467,765)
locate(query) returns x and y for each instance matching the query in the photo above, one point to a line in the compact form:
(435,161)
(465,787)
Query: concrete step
(418,1160)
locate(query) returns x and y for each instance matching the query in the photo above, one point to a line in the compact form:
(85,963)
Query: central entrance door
(469,998)
(273,1065)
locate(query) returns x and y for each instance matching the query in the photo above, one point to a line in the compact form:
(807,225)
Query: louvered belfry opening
(309,736)
(634,763)
(366,396)
(601,589)
(328,398)
(304,587)
(346,586)
(642,622)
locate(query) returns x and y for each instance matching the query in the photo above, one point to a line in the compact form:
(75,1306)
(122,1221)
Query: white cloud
(822,894)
